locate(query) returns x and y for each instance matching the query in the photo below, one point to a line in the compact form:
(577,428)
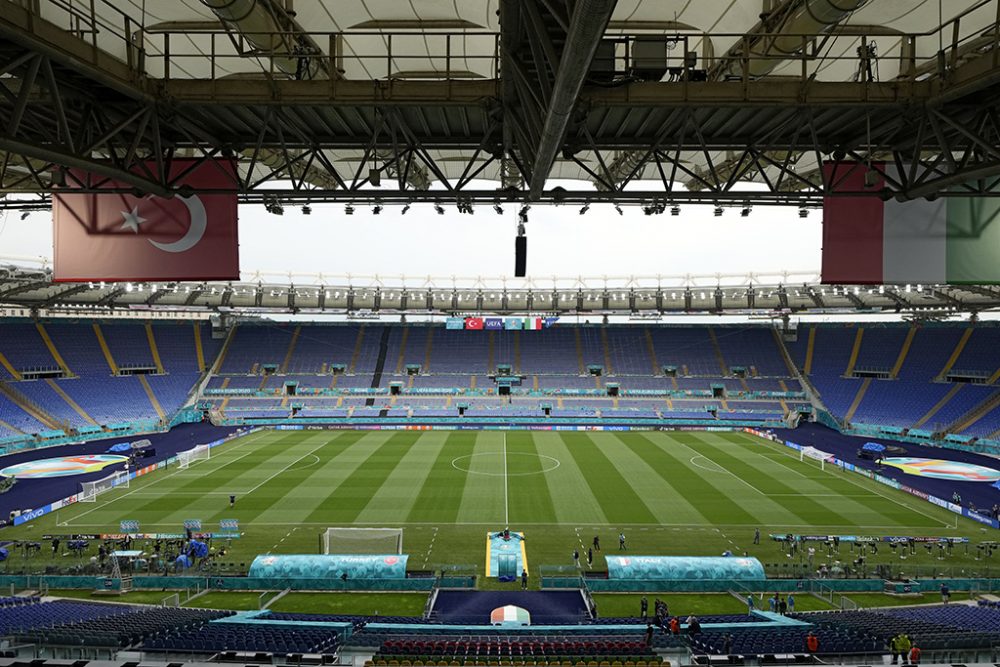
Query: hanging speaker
(520,256)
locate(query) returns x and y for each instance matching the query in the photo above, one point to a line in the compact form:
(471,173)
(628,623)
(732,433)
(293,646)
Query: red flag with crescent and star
(118,236)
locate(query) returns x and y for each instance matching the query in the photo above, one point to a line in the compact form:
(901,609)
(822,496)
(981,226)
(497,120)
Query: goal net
(362,541)
(813,454)
(90,490)
(199,453)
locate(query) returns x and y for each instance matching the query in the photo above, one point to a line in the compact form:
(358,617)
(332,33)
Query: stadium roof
(750,295)
(639,100)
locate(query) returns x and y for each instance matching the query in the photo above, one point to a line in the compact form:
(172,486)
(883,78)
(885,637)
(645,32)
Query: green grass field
(690,493)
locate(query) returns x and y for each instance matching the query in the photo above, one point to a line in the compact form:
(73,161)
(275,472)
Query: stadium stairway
(849,415)
(152,397)
(32,408)
(199,349)
(70,402)
(849,371)
(937,406)
(358,343)
(52,349)
(224,351)
(105,350)
(10,368)
(650,348)
(810,350)
(153,349)
(717,351)
(291,350)
(903,351)
(383,350)
(975,414)
(955,353)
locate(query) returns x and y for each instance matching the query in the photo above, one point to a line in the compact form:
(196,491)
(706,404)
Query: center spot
(492,463)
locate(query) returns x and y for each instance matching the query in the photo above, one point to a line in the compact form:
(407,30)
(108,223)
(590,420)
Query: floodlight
(619,209)
(745,212)
(405,209)
(675,210)
(717,212)
(376,209)
(439,209)
(586,207)
(349,210)
(307,210)
(498,209)
(522,215)
(803,213)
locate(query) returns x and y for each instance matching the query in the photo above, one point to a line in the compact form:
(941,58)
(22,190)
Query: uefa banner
(121,236)
(499,323)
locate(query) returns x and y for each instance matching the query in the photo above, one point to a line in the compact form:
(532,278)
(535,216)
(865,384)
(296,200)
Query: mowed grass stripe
(179,489)
(872,510)
(680,506)
(340,457)
(441,494)
(395,498)
(528,493)
(346,501)
(572,498)
(792,498)
(897,505)
(483,496)
(278,477)
(715,495)
(620,502)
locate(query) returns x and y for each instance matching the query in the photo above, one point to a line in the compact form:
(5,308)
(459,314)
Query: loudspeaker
(520,256)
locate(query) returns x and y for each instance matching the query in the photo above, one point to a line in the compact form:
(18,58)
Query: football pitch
(670,493)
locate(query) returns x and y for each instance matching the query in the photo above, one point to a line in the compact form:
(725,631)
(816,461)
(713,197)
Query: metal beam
(587,25)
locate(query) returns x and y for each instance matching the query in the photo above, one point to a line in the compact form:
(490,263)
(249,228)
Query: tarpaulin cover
(683,567)
(873,447)
(320,566)
(199,549)
(120,447)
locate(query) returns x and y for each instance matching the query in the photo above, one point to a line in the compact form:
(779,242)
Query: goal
(362,541)
(199,453)
(90,490)
(813,454)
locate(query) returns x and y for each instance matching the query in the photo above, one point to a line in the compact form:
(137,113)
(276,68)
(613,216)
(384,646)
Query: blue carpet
(558,608)
(35,493)
(845,447)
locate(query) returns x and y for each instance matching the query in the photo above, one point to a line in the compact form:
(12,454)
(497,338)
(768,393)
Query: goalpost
(199,453)
(362,541)
(811,453)
(90,490)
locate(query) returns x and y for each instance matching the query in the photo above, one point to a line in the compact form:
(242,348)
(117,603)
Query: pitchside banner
(952,239)
(118,237)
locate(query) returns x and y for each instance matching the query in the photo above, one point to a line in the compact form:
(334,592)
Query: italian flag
(952,239)
(533,323)
(510,615)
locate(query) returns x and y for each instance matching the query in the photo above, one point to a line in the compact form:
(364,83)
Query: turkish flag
(119,237)
(474,323)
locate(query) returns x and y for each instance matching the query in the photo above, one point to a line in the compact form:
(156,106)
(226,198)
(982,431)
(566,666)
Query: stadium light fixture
(745,212)
(675,210)
(717,211)
(439,209)
(522,215)
(376,209)
(586,207)
(498,208)
(619,209)
(348,210)
(803,213)
(307,210)
(405,209)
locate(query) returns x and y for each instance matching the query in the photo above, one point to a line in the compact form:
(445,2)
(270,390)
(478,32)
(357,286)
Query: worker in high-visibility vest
(812,643)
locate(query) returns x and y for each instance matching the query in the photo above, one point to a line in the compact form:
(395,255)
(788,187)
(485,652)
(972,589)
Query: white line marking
(846,476)
(506,507)
(309,453)
(415,524)
(177,471)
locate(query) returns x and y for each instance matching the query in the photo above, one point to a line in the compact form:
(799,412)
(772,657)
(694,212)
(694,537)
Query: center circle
(475,464)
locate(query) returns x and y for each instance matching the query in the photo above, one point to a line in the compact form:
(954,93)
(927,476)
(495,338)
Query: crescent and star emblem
(199,222)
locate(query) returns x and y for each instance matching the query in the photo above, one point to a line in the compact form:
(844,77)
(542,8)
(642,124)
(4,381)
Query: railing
(832,597)
(687,54)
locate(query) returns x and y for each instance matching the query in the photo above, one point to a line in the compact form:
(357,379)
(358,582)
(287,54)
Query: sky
(561,242)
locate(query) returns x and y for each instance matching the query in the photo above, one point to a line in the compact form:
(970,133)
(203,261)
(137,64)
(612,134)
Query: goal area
(813,454)
(90,490)
(199,453)
(362,541)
